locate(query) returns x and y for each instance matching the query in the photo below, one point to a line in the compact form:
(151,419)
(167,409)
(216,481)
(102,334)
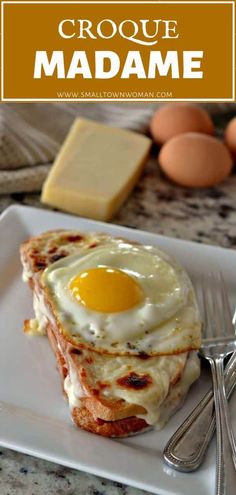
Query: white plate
(33,415)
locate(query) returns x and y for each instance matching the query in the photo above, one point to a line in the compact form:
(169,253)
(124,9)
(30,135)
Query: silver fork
(219,341)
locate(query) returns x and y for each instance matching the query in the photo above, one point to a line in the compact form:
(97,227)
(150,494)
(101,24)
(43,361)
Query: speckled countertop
(156,205)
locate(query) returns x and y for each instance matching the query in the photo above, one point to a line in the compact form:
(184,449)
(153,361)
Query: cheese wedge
(95,170)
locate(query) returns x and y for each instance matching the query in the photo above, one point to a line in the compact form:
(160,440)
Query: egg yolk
(106,290)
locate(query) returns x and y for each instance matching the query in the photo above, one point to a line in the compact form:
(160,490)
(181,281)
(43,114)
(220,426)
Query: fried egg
(124,298)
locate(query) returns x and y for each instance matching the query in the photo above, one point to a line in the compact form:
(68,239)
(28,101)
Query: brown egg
(230,136)
(195,160)
(178,118)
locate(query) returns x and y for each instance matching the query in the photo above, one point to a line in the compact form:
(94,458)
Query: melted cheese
(160,398)
(37,326)
(73,390)
(177,393)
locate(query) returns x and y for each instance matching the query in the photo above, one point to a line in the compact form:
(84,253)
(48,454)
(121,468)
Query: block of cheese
(95,170)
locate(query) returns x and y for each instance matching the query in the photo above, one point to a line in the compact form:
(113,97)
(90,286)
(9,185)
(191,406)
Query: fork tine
(218,306)
(204,307)
(207,309)
(234,319)
(229,327)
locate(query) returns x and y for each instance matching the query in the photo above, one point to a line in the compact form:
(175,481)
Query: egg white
(165,321)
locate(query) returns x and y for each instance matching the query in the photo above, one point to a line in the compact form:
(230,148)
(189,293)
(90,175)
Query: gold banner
(108,51)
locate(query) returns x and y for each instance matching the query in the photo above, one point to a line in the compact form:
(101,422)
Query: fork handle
(187,447)
(225,468)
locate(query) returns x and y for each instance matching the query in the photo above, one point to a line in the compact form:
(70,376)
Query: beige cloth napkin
(32,133)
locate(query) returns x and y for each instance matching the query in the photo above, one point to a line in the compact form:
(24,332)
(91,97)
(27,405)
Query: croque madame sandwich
(123,323)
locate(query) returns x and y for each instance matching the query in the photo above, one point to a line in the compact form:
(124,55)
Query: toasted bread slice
(107,395)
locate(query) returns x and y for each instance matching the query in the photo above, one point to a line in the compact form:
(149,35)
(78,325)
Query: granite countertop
(156,205)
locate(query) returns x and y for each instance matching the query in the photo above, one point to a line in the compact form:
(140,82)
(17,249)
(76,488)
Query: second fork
(219,341)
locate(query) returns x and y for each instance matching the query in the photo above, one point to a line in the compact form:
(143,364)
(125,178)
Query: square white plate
(35,420)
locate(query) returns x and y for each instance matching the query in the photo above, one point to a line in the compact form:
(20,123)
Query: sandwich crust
(83,418)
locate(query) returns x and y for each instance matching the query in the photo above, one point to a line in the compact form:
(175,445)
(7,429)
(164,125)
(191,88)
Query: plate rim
(201,245)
